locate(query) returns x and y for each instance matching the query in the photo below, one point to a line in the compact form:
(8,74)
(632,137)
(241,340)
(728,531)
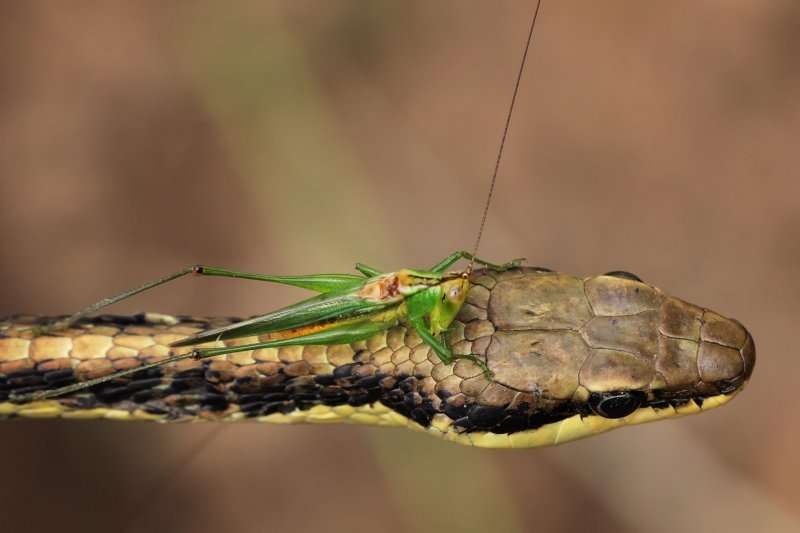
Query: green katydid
(349,308)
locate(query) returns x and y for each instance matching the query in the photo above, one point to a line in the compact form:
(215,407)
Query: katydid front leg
(444,354)
(451,259)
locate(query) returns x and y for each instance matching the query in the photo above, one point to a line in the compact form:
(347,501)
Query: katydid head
(453,294)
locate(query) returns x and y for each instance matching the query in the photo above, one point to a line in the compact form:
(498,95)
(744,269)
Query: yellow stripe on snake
(571,358)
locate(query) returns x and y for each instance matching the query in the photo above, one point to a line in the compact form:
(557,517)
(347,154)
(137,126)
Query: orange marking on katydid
(380,289)
(304,330)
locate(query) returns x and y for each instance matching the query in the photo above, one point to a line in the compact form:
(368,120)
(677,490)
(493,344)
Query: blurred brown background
(298,137)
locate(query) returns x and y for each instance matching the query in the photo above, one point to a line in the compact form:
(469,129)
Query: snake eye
(624,275)
(615,404)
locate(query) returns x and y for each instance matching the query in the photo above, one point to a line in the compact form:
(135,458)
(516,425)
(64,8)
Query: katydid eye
(454,292)
(615,404)
(624,275)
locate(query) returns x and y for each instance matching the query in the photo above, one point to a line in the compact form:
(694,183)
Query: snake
(571,357)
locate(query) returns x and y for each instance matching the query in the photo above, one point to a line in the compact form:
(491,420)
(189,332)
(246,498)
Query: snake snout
(727,353)
(748,352)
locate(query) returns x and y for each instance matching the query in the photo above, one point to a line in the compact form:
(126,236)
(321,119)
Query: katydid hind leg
(70,320)
(315,282)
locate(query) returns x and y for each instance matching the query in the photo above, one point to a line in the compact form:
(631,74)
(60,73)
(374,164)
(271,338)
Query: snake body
(563,351)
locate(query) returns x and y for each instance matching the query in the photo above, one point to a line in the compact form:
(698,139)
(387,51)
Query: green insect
(349,308)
